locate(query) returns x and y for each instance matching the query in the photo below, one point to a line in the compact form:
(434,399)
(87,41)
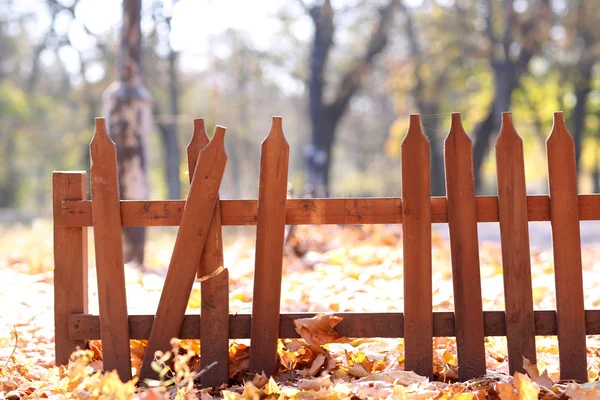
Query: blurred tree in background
(344,74)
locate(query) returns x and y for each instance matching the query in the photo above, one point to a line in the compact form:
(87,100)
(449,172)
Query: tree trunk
(325,116)
(169,135)
(582,89)
(505,82)
(9,186)
(318,156)
(128,108)
(438,180)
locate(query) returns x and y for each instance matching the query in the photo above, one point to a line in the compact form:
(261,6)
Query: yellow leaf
(527,389)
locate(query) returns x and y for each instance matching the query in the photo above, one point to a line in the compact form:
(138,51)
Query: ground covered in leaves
(326,269)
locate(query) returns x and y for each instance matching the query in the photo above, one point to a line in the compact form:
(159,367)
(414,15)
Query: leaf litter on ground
(326,270)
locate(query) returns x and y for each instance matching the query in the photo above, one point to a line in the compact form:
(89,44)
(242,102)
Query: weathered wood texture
(108,243)
(70,264)
(363,325)
(416,247)
(214,305)
(188,248)
(270,232)
(514,231)
(464,249)
(566,241)
(316,211)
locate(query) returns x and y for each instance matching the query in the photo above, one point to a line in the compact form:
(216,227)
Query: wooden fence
(198,251)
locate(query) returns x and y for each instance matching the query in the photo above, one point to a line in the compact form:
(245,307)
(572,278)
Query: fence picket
(514,231)
(416,246)
(188,249)
(108,241)
(566,242)
(270,230)
(464,249)
(214,307)
(70,264)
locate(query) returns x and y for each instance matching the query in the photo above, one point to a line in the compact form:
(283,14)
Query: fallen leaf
(533,372)
(318,330)
(405,378)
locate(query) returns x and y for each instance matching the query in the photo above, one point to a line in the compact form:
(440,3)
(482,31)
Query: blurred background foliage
(382,60)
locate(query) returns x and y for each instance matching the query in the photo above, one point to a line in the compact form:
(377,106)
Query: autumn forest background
(345,75)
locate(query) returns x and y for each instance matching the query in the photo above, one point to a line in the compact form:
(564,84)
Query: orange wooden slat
(566,242)
(514,231)
(416,247)
(464,248)
(108,243)
(70,264)
(270,231)
(315,211)
(189,244)
(214,332)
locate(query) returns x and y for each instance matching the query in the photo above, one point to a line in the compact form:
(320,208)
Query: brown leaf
(533,372)
(318,330)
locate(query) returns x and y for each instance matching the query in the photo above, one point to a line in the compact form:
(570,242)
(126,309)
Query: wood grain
(70,264)
(514,231)
(416,247)
(187,252)
(359,325)
(315,211)
(464,249)
(108,243)
(566,242)
(214,307)
(270,232)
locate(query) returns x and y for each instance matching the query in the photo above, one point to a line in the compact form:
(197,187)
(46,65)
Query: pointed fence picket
(464,251)
(109,253)
(270,235)
(187,252)
(566,241)
(199,252)
(514,231)
(416,247)
(214,305)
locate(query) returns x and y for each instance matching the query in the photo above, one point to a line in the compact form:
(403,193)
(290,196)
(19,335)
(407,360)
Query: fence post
(416,246)
(270,232)
(214,307)
(514,231)
(566,242)
(70,263)
(464,249)
(108,241)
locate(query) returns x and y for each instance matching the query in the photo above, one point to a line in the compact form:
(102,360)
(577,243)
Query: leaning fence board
(188,248)
(566,241)
(108,243)
(313,211)
(464,250)
(363,325)
(70,264)
(270,232)
(214,305)
(416,247)
(514,231)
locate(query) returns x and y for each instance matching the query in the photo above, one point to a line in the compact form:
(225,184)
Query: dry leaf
(533,372)
(527,389)
(318,330)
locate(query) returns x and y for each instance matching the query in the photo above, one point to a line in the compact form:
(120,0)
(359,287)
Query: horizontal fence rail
(332,211)
(353,324)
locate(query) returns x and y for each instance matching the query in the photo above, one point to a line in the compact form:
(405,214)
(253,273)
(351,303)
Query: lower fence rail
(364,325)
